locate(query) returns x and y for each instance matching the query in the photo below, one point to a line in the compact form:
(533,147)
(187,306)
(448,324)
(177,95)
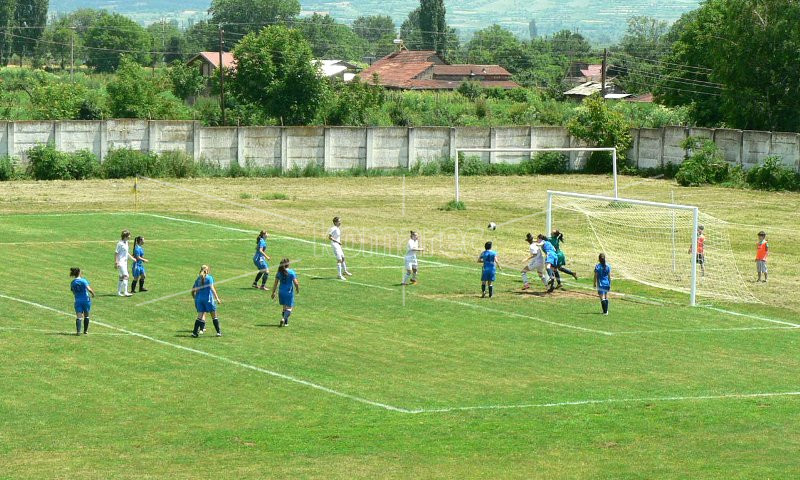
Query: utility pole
(603,74)
(221,76)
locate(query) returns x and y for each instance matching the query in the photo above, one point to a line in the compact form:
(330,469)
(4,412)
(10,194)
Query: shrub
(125,162)
(6,168)
(471,90)
(177,164)
(470,166)
(453,205)
(547,162)
(598,125)
(599,162)
(82,165)
(772,175)
(704,164)
(46,163)
(274,196)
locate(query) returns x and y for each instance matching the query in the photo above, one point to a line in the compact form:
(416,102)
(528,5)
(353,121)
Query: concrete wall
(337,148)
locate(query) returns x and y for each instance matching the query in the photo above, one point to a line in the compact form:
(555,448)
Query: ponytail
(262,234)
(284,265)
(559,236)
(203,273)
(75,272)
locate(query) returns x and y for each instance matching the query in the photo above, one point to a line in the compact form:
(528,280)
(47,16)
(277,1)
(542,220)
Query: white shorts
(123,269)
(761,266)
(337,251)
(538,266)
(411,263)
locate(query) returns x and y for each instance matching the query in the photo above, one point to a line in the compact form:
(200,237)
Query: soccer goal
(652,243)
(529,152)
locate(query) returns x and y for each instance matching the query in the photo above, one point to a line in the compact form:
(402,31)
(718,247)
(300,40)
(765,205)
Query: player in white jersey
(536,261)
(335,236)
(121,256)
(412,247)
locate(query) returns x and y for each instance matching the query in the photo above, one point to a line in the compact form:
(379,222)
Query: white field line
(729,312)
(405,410)
(721,329)
(113,242)
(55,332)
(222,359)
(727,396)
(68,214)
(399,267)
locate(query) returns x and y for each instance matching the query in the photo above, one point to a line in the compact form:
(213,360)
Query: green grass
(139,406)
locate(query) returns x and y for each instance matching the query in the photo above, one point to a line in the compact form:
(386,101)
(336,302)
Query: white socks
(339,266)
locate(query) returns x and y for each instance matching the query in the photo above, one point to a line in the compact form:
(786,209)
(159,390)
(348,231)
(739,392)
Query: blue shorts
(602,290)
(260,263)
(286,299)
(205,307)
(83,306)
(138,271)
(488,276)
(552,260)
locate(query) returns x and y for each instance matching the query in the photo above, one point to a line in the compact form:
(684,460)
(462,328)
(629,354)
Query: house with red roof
(425,70)
(208,62)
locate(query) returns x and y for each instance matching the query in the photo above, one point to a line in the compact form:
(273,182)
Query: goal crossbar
(695,212)
(613,151)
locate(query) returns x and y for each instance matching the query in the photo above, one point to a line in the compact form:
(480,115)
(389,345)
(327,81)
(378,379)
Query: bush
(125,162)
(6,168)
(46,163)
(177,164)
(546,163)
(599,162)
(471,166)
(453,205)
(772,175)
(82,165)
(704,164)
(470,90)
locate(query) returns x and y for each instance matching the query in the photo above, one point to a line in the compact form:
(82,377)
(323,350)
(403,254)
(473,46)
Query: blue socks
(216,325)
(78,325)
(604,304)
(286,314)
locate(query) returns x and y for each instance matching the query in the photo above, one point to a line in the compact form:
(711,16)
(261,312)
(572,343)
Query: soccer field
(373,379)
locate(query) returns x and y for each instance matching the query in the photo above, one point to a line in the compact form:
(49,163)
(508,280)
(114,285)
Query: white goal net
(655,244)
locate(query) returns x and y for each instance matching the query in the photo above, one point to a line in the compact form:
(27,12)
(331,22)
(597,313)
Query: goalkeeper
(556,238)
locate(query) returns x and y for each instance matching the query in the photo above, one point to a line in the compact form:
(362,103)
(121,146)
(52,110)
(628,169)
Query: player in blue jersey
(205,301)
(260,260)
(490,266)
(550,260)
(602,280)
(138,264)
(83,303)
(289,287)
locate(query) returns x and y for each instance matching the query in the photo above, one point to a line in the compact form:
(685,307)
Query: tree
(329,39)
(736,62)
(644,42)
(201,37)
(7,15)
(432,25)
(111,37)
(374,28)
(570,44)
(410,31)
(244,16)
(186,81)
(30,18)
(166,37)
(496,45)
(274,73)
(597,124)
(134,93)
(378,31)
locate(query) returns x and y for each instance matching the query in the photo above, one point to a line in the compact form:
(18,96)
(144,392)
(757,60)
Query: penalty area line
(220,358)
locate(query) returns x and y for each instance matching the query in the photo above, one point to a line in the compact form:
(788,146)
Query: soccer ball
(492,226)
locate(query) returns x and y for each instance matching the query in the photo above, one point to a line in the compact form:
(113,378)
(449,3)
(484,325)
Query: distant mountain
(603,21)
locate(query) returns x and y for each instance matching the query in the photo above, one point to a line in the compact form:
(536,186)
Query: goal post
(466,151)
(619,208)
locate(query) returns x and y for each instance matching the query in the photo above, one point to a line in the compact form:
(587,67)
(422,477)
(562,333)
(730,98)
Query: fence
(371,147)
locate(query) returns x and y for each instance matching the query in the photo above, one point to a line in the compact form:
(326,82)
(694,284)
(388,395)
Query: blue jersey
(550,253)
(80,288)
(489,257)
(202,290)
(260,244)
(286,281)
(138,253)
(603,275)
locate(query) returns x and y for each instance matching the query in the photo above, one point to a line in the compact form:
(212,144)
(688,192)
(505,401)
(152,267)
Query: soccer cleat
(605,313)
(219,334)
(341,277)
(255,285)
(550,290)
(348,273)
(575,276)
(413,281)
(194,335)
(483,295)
(143,290)
(526,286)
(202,331)
(78,333)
